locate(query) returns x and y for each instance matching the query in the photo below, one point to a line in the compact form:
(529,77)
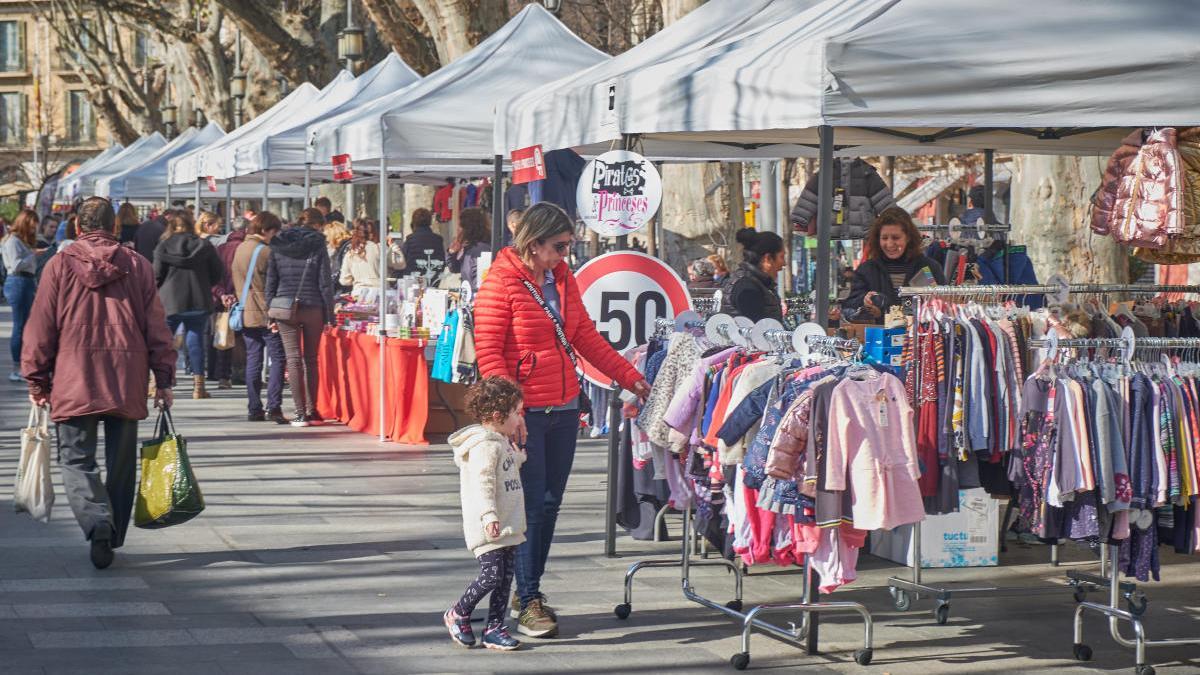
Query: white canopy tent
(448,115)
(136,154)
(63,192)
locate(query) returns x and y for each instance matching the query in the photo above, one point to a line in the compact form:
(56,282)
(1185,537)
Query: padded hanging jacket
(515,339)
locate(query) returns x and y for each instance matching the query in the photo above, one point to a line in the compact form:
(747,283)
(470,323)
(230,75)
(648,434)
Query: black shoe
(276,416)
(300,420)
(102,551)
(315,419)
(256,417)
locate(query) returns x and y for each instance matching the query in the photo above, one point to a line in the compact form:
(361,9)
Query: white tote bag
(34,490)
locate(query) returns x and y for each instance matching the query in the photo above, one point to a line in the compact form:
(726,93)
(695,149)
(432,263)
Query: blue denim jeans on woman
(194,324)
(18,292)
(550,452)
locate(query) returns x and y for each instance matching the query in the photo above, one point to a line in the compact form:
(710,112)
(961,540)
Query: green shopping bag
(168,493)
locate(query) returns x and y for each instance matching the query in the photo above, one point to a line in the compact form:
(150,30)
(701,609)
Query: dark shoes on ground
(256,417)
(102,550)
(534,621)
(499,639)
(277,416)
(300,420)
(460,628)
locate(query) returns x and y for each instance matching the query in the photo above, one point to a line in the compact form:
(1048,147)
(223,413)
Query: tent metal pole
(228,206)
(498,214)
(265,189)
(308,185)
(350,212)
(383,285)
(196,206)
(167,205)
(989,189)
(614,432)
(824,223)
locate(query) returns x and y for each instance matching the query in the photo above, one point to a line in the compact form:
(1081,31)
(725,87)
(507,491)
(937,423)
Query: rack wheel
(942,614)
(735,605)
(863,656)
(1136,604)
(740,660)
(1082,652)
(1144,670)
(1080,594)
(622,611)
(901,600)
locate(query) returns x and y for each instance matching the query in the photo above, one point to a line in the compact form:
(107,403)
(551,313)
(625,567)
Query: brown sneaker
(514,607)
(535,622)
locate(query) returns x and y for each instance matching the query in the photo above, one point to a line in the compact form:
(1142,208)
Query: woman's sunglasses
(562,247)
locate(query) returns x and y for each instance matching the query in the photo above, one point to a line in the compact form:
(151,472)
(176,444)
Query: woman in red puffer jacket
(516,338)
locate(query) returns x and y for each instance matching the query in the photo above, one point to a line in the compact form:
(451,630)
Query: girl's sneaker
(460,628)
(498,638)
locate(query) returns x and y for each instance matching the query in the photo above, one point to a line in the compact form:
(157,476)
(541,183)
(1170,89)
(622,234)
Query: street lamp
(168,117)
(350,39)
(197,116)
(552,6)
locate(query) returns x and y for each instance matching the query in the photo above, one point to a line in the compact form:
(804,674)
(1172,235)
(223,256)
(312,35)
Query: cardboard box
(969,538)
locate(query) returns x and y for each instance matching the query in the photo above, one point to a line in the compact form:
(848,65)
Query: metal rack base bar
(1139,643)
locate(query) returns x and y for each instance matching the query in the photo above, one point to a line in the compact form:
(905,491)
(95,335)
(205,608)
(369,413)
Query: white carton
(969,538)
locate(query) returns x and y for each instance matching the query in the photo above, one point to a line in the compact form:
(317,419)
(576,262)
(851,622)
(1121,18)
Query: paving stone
(52,611)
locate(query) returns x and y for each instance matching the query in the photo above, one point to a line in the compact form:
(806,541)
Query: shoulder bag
(236,320)
(284,309)
(585,403)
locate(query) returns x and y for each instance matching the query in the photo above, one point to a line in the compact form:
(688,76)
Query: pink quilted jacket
(1140,201)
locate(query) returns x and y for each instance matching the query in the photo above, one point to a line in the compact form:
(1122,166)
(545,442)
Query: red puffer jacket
(515,339)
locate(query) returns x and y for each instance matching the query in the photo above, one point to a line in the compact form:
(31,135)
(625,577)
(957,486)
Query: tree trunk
(1050,205)
(401,27)
(456,27)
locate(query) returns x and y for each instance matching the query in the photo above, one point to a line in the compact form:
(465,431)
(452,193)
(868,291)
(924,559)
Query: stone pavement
(324,552)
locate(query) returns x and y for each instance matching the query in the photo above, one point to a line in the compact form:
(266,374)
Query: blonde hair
(207,219)
(335,234)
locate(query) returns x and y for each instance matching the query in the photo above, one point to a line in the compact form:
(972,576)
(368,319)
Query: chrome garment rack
(807,633)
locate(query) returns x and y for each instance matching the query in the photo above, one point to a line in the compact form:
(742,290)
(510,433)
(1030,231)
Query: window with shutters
(12,46)
(12,118)
(81,119)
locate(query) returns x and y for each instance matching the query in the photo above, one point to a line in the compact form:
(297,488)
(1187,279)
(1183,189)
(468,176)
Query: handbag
(237,319)
(168,493)
(585,402)
(284,309)
(33,491)
(223,339)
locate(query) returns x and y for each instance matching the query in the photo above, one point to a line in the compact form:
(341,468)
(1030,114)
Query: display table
(348,387)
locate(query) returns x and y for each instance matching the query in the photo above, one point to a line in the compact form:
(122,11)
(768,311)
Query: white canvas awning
(448,116)
(133,156)
(63,193)
(202,162)
(1010,75)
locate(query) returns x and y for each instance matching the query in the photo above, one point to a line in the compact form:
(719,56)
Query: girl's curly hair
(493,397)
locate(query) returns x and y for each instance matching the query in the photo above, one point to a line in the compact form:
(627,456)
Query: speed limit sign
(624,292)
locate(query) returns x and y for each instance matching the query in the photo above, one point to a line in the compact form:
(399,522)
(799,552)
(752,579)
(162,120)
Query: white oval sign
(618,193)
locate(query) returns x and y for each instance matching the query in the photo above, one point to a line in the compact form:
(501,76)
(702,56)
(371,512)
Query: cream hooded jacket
(490,488)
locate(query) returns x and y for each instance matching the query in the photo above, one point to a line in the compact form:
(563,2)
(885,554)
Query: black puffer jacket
(750,293)
(291,251)
(872,275)
(186,268)
(865,195)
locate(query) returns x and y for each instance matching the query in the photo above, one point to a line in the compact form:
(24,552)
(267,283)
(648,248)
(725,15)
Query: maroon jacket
(96,330)
(226,252)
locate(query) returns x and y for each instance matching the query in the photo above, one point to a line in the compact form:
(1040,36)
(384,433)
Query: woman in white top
(360,266)
(21,264)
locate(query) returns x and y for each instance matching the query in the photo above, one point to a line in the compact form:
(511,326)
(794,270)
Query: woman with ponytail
(750,291)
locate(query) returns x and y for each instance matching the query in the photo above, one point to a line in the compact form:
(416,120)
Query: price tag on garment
(342,169)
(528,165)
(618,193)
(624,292)
(881,400)
(839,202)
(212,184)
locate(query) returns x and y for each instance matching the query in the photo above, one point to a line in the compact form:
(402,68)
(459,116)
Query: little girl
(493,507)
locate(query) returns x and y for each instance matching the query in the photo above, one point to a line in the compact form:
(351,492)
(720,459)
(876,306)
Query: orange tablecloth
(348,387)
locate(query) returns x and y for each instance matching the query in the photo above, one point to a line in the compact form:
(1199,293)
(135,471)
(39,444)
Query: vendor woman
(750,290)
(894,259)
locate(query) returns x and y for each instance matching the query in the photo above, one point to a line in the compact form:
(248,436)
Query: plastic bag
(34,489)
(168,493)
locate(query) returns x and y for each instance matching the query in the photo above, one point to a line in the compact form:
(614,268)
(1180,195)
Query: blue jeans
(194,325)
(550,451)
(262,342)
(18,292)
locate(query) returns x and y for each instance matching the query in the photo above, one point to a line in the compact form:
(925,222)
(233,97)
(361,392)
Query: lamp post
(237,83)
(168,116)
(350,39)
(197,114)
(553,6)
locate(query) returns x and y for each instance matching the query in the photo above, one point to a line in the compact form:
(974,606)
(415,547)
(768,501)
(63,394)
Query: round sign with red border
(624,293)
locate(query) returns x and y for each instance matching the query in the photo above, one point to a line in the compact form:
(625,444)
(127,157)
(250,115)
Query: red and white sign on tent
(528,165)
(624,293)
(341,168)
(212,184)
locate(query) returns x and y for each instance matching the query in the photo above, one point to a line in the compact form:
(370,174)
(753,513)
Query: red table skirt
(348,387)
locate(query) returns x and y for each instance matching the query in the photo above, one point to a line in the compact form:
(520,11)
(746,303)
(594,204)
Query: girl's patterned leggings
(495,576)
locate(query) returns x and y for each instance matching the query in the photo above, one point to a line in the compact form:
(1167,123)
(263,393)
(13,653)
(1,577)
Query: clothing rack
(1135,602)
(807,633)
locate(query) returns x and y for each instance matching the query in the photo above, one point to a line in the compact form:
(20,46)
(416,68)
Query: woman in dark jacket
(186,269)
(894,259)
(299,271)
(474,237)
(750,290)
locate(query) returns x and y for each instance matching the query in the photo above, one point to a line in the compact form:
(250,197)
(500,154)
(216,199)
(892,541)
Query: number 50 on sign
(624,293)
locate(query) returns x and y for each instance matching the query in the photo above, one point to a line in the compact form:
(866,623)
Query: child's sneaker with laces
(459,627)
(498,638)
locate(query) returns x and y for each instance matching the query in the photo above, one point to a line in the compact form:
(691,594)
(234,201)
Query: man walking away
(96,331)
